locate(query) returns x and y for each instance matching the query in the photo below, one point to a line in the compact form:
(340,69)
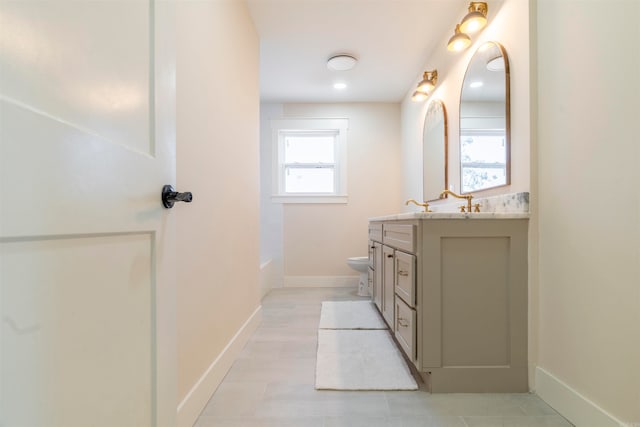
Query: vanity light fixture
(426,86)
(459,41)
(429,80)
(473,21)
(476,19)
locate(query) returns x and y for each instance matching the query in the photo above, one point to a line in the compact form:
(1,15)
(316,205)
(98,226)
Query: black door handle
(170,196)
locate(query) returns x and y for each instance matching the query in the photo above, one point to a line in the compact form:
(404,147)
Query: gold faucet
(425,205)
(467,197)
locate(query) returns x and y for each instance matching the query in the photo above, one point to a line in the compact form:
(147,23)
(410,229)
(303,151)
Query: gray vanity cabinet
(459,300)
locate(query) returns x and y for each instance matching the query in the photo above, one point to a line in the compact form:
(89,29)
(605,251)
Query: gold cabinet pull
(403,322)
(403,273)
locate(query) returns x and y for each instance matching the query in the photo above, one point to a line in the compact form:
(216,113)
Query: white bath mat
(360,360)
(350,315)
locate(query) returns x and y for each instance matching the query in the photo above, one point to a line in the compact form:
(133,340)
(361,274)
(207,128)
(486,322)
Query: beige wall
(218,160)
(318,238)
(589,200)
(508,25)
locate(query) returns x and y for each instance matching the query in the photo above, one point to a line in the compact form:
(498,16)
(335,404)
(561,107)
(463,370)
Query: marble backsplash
(503,203)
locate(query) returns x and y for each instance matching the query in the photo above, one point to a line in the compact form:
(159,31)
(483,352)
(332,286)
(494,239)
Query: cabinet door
(377,275)
(388,286)
(406,277)
(405,328)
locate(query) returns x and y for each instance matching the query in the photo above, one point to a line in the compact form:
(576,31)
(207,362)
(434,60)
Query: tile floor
(272,384)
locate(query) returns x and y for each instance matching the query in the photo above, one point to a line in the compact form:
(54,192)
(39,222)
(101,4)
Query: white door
(87,141)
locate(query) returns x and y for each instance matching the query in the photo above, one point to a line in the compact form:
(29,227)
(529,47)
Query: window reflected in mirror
(484,121)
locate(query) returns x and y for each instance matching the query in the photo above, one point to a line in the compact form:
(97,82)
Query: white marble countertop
(451,215)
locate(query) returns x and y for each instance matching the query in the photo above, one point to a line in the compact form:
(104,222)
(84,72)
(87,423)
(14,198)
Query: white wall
(508,25)
(271,227)
(589,209)
(318,238)
(218,160)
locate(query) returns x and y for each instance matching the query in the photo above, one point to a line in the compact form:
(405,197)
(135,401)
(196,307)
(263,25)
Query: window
(309,160)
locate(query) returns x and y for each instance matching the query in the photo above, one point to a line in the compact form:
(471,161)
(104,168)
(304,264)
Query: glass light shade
(474,21)
(418,96)
(459,41)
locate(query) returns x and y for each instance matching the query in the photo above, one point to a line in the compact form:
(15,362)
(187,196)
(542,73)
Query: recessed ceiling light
(339,86)
(475,84)
(341,62)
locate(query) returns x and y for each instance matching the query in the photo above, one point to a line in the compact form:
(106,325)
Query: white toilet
(361,265)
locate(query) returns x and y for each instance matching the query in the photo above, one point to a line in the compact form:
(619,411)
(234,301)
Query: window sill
(309,199)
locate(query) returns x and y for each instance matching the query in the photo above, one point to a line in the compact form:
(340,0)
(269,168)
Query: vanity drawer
(400,236)
(405,328)
(375,232)
(406,277)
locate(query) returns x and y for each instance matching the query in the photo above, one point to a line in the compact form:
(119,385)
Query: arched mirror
(484,121)
(434,151)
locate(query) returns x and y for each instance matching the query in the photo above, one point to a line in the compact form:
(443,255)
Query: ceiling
(392,40)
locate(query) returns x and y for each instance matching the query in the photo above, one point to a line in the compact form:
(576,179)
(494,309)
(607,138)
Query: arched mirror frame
(430,191)
(507,92)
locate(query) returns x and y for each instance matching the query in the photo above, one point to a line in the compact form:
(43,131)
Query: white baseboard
(270,276)
(266,277)
(320,281)
(194,402)
(579,410)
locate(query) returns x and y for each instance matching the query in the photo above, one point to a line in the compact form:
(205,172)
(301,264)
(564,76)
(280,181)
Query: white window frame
(280,129)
